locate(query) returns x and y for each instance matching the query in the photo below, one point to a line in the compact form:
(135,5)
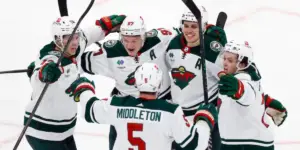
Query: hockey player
(242,110)
(118,59)
(145,122)
(52,126)
(183,57)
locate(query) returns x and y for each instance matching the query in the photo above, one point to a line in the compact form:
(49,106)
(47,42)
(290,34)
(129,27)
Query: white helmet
(132,26)
(148,77)
(63,26)
(242,49)
(189,16)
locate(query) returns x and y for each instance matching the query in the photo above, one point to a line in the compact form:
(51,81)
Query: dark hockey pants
(112,137)
(39,144)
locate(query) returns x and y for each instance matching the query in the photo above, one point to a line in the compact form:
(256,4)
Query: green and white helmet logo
(216,46)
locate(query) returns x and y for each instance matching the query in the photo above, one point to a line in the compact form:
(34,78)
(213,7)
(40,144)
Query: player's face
(230,62)
(74,43)
(190,31)
(132,44)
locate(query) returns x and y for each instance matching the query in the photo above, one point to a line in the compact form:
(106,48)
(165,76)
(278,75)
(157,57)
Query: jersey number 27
(135,141)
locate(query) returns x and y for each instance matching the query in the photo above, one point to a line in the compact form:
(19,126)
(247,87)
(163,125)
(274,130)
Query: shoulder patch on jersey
(110,43)
(114,48)
(55,53)
(151,33)
(216,46)
(46,50)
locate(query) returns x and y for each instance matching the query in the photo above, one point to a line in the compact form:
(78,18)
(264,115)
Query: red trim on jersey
(88,86)
(268,100)
(205,114)
(240,91)
(44,63)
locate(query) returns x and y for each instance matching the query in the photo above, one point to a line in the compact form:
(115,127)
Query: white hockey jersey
(112,60)
(144,124)
(186,71)
(56,115)
(244,121)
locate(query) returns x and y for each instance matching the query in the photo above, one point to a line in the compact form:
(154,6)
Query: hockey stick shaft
(14,71)
(63,7)
(221,20)
(47,84)
(194,9)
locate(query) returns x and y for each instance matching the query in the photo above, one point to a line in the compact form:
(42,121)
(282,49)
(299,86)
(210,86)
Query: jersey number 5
(135,141)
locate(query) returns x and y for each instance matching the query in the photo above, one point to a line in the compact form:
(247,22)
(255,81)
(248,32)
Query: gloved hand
(30,69)
(275,110)
(79,86)
(110,23)
(208,113)
(216,34)
(49,72)
(231,86)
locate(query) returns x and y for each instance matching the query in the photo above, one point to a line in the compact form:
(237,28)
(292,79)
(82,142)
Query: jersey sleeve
(182,131)
(249,95)
(94,110)
(165,35)
(93,34)
(96,62)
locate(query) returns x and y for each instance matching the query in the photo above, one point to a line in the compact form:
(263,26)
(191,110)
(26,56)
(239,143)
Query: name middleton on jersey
(132,113)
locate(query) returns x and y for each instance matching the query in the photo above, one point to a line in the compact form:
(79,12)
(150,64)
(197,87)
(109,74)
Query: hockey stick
(14,71)
(47,84)
(194,9)
(63,7)
(221,20)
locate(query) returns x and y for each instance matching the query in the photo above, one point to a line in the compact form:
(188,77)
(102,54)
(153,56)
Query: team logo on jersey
(182,77)
(110,43)
(216,46)
(55,53)
(151,33)
(130,79)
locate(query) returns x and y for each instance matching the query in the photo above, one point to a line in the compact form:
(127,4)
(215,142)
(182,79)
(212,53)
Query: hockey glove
(110,23)
(208,113)
(231,86)
(30,69)
(215,33)
(78,86)
(275,110)
(49,72)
